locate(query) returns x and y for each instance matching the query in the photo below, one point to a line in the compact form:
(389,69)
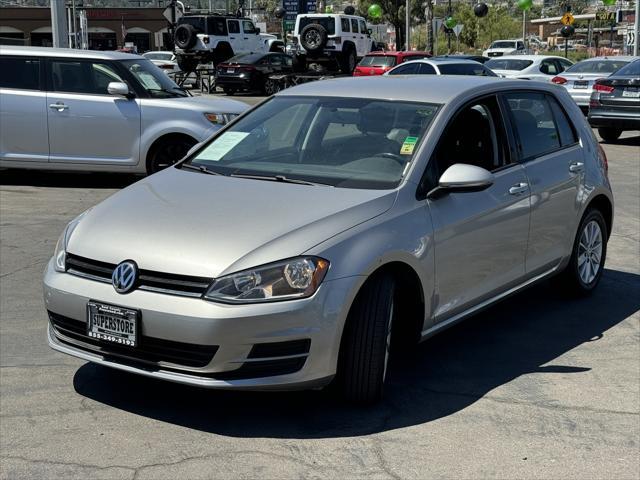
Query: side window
(534,124)
(275,60)
(520,46)
(345,24)
(216,26)
(103,75)
(72,77)
(354,25)
(475,136)
(548,67)
(563,64)
(409,69)
(426,69)
(565,127)
(363,27)
(233,26)
(20,72)
(248,26)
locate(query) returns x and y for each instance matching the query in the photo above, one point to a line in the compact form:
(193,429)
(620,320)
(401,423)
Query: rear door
(24,135)
(86,123)
(549,149)
(366,38)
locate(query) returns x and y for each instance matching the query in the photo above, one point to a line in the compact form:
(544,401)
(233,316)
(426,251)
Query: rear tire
(229,91)
(588,256)
(364,351)
(609,134)
(348,61)
(168,151)
(270,87)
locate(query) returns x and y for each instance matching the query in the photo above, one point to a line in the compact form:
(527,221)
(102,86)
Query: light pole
(407,27)
(636,27)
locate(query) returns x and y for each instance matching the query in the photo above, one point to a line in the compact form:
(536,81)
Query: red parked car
(376,63)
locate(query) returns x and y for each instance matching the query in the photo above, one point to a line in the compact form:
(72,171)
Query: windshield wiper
(276,178)
(198,168)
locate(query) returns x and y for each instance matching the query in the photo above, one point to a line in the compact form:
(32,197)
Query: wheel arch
(162,138)
(602,203)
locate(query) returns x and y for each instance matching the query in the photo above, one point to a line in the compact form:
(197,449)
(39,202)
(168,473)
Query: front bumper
(231,330)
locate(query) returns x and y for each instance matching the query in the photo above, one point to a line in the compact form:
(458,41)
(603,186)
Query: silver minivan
(98,111)
(334,220)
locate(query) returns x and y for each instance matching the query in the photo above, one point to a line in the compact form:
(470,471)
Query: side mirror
(257,30)
(118,88)
(369,31)
(461,177)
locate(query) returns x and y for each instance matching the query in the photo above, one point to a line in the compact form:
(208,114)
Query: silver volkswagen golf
(332,222)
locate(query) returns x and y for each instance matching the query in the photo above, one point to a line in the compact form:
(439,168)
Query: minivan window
(342,142)
(90,78)
(20,72)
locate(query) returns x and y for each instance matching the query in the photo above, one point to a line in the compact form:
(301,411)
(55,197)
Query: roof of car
(525,57)
(443,61)
(624,58)
(67,52)
(410,88)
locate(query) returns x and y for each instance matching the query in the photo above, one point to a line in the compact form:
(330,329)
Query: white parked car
(504,47)
(98,111)
(166,61)
(529,67)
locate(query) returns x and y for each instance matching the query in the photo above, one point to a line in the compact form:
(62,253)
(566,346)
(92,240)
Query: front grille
(183,285)
(150,349)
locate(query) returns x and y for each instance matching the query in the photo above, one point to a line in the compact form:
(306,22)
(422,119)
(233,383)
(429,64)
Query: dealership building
(108,28)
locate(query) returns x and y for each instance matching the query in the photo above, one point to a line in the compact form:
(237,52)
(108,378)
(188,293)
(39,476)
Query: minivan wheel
(364,353)
(588,256)
(609,134)
(167,152)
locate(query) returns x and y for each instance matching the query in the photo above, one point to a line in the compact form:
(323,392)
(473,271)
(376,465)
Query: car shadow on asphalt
(521,336)
(42,178)
(631,141)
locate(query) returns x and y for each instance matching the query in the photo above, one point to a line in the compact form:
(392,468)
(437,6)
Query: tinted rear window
(378,61)
(632,68)
(216,26)
(465,69)
(328,23)
(196,22)
(246,58)
(597,66)
(20,72)
(508,64)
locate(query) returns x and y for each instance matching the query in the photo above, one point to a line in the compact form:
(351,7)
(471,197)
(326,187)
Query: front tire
(609,134)
(585,268)
(348,61)
(364,352)
(167,152)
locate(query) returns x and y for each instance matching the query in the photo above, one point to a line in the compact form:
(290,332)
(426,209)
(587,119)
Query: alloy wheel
(590,252)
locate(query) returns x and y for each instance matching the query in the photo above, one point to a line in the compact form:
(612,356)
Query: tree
(393,12)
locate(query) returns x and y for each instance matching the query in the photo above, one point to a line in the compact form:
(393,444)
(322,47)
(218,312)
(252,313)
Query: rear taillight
(603,159)
(598,87)
(559,80)
(357,72)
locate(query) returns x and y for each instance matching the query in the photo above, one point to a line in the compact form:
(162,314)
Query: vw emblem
(124,276)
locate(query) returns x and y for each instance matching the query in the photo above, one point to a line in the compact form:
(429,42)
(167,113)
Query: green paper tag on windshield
(408,145)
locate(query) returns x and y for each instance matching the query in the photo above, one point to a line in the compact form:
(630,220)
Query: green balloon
(525,4)
(609,2)
(375,11)
(450,22)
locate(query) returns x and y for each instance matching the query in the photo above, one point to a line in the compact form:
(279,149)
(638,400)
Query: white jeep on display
(331,39)
(216,38)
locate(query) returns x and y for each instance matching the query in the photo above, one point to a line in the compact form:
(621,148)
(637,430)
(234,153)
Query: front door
(86,123)
(236,38)
(553,160)
(480,237)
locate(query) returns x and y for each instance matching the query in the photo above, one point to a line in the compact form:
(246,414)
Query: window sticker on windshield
(408,145)
(221,146)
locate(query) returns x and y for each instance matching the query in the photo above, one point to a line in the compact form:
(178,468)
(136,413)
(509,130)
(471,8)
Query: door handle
(576,167)
(246,38)
(518,188)
(59,106)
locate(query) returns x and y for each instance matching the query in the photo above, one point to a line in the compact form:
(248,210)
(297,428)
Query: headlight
(286,280)
(60,254)
(220,118)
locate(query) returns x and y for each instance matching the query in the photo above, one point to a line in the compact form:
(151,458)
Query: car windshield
(465,69)
(597,66)
(329,23)
(503,45)
(152,79)
(342,142)
(508,64)
(378,61)
(632,68)
(159,56)
(246,58)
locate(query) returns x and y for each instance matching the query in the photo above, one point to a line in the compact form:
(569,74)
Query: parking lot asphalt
(538,386)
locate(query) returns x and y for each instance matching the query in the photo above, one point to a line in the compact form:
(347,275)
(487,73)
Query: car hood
(211,105)
(190,223)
